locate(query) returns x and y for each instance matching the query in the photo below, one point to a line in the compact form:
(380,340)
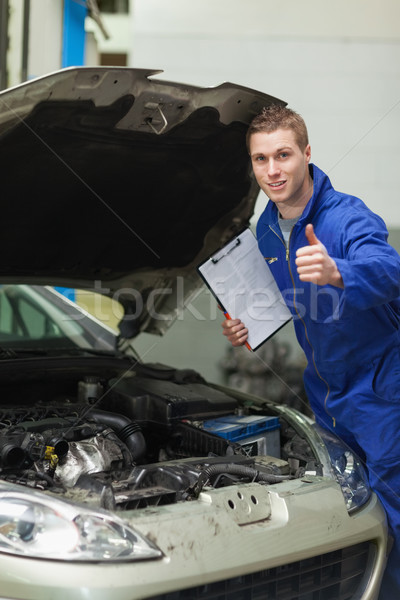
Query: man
(341,280)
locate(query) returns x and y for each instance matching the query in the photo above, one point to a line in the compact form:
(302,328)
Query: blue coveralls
(350,337)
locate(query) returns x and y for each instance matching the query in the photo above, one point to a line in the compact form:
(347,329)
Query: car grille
(333,576)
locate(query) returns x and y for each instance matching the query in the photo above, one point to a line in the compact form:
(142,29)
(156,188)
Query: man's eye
(283,155)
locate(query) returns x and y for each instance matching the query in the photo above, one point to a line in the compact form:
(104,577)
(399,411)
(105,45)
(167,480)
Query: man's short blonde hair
(276,117)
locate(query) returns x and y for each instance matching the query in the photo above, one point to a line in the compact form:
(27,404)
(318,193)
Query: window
(21,318)
(113,6)
(113,59)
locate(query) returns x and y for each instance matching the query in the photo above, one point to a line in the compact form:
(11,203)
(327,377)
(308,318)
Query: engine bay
(153,436)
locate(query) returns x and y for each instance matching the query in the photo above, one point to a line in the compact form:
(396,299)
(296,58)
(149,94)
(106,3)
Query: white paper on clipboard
(245,288)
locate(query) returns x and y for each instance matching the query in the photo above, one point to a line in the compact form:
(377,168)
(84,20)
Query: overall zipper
(304,325)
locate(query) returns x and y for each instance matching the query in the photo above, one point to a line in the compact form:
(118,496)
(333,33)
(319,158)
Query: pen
(228,316)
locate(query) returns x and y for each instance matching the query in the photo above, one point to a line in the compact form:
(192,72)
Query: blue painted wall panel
(74,36)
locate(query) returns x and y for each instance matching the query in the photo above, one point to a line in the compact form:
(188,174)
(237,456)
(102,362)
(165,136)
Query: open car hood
(118,182)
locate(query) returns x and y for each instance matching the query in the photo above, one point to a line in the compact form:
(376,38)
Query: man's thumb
(310,235)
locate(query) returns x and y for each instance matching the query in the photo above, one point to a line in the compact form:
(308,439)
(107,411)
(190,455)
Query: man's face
(281,170)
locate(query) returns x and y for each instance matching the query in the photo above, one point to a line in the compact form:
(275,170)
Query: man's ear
(307,153)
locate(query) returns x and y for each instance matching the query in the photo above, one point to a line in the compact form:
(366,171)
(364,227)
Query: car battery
(258,435)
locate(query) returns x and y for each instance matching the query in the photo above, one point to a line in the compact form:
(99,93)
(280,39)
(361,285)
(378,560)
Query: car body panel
(212,546)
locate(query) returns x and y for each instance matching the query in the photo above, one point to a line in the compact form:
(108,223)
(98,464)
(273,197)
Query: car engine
(151,437)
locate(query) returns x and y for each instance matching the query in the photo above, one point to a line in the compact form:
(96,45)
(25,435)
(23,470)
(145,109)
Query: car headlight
(38,527)
(347,469)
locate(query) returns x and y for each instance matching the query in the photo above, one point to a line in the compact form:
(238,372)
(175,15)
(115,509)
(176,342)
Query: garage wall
(337,63)
(45,37)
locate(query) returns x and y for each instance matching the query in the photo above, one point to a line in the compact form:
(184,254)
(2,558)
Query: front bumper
(228,532)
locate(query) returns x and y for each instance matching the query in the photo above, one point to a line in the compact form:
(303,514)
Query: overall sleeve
(369,266)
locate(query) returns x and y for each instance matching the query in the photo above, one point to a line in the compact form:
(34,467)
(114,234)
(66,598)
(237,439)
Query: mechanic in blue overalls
(341,279)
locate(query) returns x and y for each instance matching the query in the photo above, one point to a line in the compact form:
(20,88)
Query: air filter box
(167,402)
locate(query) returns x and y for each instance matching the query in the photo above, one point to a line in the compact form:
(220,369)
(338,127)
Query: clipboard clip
(215,260)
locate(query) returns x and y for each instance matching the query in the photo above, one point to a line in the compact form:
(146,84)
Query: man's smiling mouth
(277,184)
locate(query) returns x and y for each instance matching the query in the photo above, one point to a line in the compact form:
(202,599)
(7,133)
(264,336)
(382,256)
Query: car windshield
(40,318)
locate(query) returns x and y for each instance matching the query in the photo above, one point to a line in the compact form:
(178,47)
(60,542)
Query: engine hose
(11,455)
(128,431)
(234,469)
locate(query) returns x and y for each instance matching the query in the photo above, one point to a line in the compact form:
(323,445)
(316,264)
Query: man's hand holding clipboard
(235,331)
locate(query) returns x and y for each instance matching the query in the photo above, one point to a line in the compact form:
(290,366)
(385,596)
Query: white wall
(337,63)
(14,54)
(45,37)
(119,30)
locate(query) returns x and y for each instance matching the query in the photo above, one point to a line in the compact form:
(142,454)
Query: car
(121,478)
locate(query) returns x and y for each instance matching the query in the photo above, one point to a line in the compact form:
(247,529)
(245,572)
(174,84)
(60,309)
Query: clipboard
(242,283)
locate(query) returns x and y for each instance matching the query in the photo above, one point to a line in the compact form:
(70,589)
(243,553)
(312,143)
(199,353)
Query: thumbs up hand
(314,263)
(310,235)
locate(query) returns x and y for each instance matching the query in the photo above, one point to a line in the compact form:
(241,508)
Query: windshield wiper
(12,353)
(7,353)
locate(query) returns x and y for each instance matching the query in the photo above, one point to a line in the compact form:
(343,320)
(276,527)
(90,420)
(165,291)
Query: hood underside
(114,177)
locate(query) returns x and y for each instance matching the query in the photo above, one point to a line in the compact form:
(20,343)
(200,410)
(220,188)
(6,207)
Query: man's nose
(272,167)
